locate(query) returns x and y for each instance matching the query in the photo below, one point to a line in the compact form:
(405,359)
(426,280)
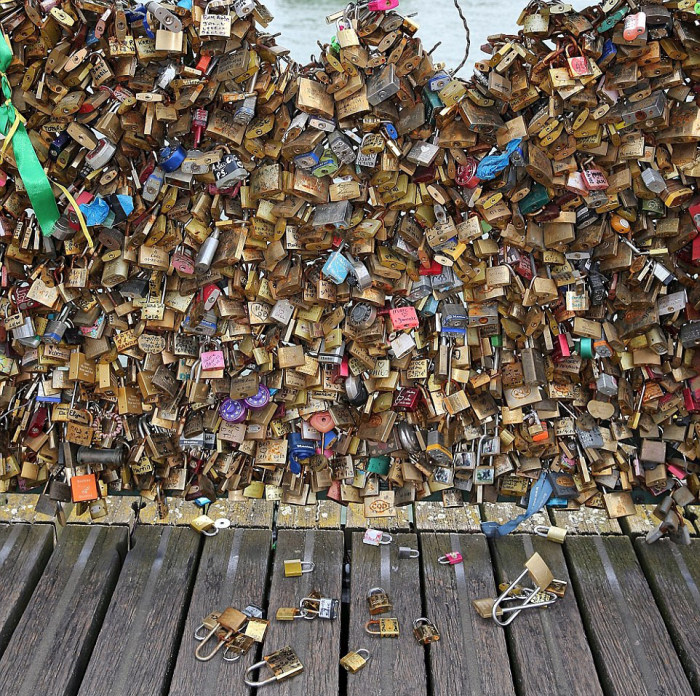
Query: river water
(302,23)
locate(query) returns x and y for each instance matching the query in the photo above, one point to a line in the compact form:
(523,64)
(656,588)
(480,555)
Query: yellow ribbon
(78,212)
(13,129)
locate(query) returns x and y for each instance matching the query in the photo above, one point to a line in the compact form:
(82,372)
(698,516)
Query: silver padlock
(56,328)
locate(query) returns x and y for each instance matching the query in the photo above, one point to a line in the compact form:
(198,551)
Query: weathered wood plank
(470,648)
(434,516)
(356,519)
(232,572)
(642,522)
(397,665)
(673,573)
(585,520)
(317,642)
(503,512)
(141,631)
(51,645)
(625,629)
(119,511)
(24,551)
(549,651)
(324,514)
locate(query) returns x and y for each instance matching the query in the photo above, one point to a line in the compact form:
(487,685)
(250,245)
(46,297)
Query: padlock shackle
(252,668)
(372,622)
(206,639)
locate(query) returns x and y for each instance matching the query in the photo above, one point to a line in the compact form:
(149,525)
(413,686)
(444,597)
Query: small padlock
(379,602)
(425,631)
(355,660)
(295,568)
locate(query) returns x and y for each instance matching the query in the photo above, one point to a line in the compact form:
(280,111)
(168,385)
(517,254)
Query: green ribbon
(30,170)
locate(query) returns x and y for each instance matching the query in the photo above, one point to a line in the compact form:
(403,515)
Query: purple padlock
(259,400)
(233,410)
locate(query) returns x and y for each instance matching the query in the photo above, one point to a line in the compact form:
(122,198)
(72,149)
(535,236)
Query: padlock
(384,628)
(451,558)
(355,660)
(284,664)
(295,568)
(425,631)
(379,602)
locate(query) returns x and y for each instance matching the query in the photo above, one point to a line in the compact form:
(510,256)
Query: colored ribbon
(30,170)
(539,495)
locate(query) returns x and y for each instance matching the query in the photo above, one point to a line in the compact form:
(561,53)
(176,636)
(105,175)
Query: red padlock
(466,174)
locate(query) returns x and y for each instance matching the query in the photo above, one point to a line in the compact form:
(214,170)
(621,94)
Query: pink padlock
(212,360)
(404,318)
(382,5)
(322,421)
(564,345)
(635,25)
(451,558)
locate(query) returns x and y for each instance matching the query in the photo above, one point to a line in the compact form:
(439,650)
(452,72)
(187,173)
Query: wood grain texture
(471,656)
(673,573)
(585,521)
(232,572)
(626,631)
(434,516)
(503,512)
(642,522)
(356,518)
(24,551)
(397,666)
(141,631)
(317,642)
(549,651)
(51,645)
(324,514)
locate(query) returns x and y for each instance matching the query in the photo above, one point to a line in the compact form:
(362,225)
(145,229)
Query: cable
(468,35)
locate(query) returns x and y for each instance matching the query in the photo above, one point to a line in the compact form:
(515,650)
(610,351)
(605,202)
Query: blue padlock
(337,267)
(299,448)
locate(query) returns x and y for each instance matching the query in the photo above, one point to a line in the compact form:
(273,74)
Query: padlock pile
(361,276)
(235,631)
(545,593)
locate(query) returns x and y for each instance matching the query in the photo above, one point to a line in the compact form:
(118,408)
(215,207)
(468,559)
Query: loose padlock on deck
(450,558)
(294,568)
(384,628)
(355,660)
(284,664)
(555,534)
(379,602)
(425,631)
(375,537)
(229,622)
(541,576)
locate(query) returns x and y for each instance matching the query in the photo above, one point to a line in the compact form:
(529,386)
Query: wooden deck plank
(317,642)
(549,652)
(641,523)
(626,631)
(585,520)
(324,514)
(400,522)
(232,572)
(435,517)
(51,645)
(503,512)
(141,631)
(397,665)
(673,573)
(469,647)
(24,551)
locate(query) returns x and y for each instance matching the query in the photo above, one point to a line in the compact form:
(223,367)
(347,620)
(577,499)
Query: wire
(468,36)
